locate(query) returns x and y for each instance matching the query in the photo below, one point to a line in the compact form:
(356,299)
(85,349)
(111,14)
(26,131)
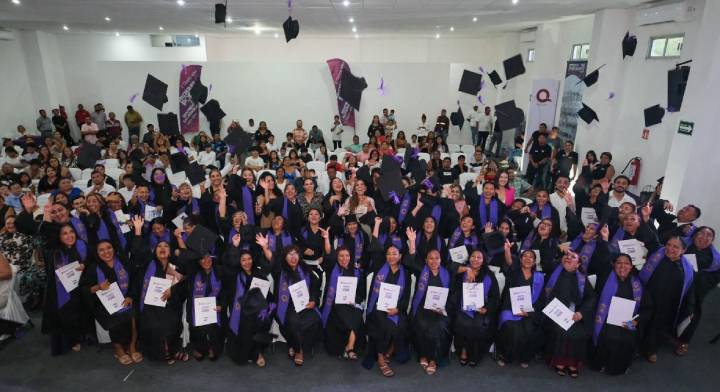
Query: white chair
(340,154)
(467,149)
(261,172)
(424,156)
(317,166)
(454,157)
(323,182)
(465,177)
(75,173)
(112,163)
(444,155)
(87,173)
(81,184)
(454,147)
(115,173)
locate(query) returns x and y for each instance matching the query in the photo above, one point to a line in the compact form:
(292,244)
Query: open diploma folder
(155,290)
(521,299)
(205,312)
(559,313)
(388,296)
(262,284)
(346,288)
(69,276)
(112,298)
(621,311)
(436,297)
(300,295)
(473,296)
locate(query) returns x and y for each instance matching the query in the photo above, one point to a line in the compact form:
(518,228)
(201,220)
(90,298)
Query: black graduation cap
(351,218)
(198,92)
(654,115)
(629,43)
(508,116)
(390,184)
(432,184)
(495,78)
(178,162)
(195,173)
(457,118)
(418,170)
(254,302)
(240,139)
(351,88)
(137,155)
(494,242)
(470,82)
(291,28)
(89,154)
(592,77)
(363,173)
(168,124)
(212,111)
(514,67)
(201,240)
(155,92)
(587,114)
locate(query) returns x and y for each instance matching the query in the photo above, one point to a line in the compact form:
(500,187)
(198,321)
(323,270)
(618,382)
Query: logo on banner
(542,96)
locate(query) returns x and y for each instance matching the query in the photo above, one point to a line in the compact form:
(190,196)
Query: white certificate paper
(473,296)
(559,313)
(155,290)
(436,297)
(521,299)
(635,249)
(459,254)
(692,259)
(112,298)
(69,276)
(178,221)
(300,295)
(388,296)
(205,312)
(346,288)
(621,311)
(151,213)
(261,284)
(588,216)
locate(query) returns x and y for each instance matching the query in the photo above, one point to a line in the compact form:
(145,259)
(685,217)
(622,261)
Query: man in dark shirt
(566,161)
(460,167)
(538,170)
(61,125)
(542,130)
(149,136)
(441,125)
(446,174)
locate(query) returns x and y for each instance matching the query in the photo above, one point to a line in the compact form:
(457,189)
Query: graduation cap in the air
(351,88)
(431,184)
(363,173)
(494,242)
(653,115)
(592,77)
(418,170)
(629,43)
(390,184)
(212,111)
(514,66)
(168,124)
(198,92)
(178,162)
(495,78)
(201,240)
(240,139)
(137,155)
(587,114)
(89,154)
(470,82)
(291,28)
(508,116)
(457,118)
(155,92)
(195,173)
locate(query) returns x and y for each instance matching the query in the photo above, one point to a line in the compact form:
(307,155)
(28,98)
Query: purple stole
(535,290)
(63,296)
(123,279)
(284,297)
(404,207)
(358,246)
(486,290)
(688,236)
(472,242)
(654,260)
(422,285)
(155,240)
(237,305)
(380,278)
(332,288)
(493,212)
(586,252)
(104,234)
(248,205)
(527,243)
(149,273)
(194,206)
(556,274)
(395,240)
(436,213)
(285,240)
(715,265)
(606,297)
(285,208)
(619,235)
(546,211)
(79,228)
(199,289)
(243,245)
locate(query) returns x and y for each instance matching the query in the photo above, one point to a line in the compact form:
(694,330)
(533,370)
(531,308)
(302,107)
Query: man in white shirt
(98,185)
(206,157)
(485,125)
(336,131)
(561,199)
(254,161)
(474,118)
(618,195)
(89,131)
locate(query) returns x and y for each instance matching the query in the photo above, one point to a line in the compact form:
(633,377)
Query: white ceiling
(317,17)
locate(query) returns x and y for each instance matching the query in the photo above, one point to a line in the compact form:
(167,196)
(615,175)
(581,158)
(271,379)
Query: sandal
(76,347)
(431,369)
(424,365)
(472,363)
(463,361)
(681,349)
(299,362)
(182,356)
(198,357)
(500,363)
(652,358)
(260,362)
(291,353)
(125,359)
(136,357)
(386,371)
(560,371)
(574,373)
(524,365)
(350,355)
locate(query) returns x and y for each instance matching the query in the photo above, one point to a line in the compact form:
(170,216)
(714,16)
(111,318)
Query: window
(580,52)
(531,55)
(666,46)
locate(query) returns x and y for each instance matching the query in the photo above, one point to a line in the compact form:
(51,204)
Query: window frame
(531,59)
(580,56)
(666,37)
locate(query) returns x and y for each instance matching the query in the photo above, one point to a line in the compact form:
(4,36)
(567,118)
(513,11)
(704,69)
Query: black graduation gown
(554,217)
(704,283)
(295,216)
(474,334)
(548,253)
(206,337)
(300,330)
(523,223)
(569,348)
(600,263)
(519,340)
(313,241)
(424,246)
(382,332)
(343,318)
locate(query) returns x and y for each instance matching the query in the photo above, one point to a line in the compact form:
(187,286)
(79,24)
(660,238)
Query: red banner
(189,111)
(346,111)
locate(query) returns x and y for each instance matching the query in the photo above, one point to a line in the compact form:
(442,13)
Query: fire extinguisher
(633,170)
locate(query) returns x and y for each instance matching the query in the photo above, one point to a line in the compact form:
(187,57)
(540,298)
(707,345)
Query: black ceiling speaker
(220,12)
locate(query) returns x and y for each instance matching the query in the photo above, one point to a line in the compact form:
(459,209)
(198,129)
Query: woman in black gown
(250,308)
(109,268)
(474,329)
(520,335)
(615,346)
(65,317)
(542,240)
(566,350)
(204,280)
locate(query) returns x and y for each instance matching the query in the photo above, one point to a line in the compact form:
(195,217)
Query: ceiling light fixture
(66,28)
(514,2)
(354,29)
(452,28)
(197,35)
(16,2)
(180,2)
(437,36)
(107,19)
(257,30)
(117,34)
(346,3)
(351,20)
(228,20)
(161,28)
(277,35)
(474,18)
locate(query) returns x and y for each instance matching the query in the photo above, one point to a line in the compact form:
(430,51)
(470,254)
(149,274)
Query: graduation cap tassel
(611,95)
(394,197)
(132,97)
(382,87)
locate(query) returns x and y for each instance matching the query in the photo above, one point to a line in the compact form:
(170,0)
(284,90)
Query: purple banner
(189,111)
(345,110)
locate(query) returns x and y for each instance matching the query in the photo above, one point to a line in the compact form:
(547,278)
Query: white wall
(16,102)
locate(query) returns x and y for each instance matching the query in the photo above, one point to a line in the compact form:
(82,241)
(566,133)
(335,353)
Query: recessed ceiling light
(474,18)
(107,19)
(180,2)
(228,20)
(117,34)
(257,30)
(161,28)
(351,20)
(346,3)
(16,2)
(514,2)
(452,28)
(277,35)
(354,29)
(66,28)
(437,35)
(197,35)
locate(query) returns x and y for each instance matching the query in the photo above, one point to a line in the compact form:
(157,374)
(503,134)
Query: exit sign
(686,127)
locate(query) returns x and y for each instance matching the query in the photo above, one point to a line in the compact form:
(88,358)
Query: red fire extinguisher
(633,170)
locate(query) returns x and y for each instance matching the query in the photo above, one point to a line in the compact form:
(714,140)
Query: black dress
(206,337)
(705,282)
(383,332)
(475,334)
(343,318)
(300,330)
